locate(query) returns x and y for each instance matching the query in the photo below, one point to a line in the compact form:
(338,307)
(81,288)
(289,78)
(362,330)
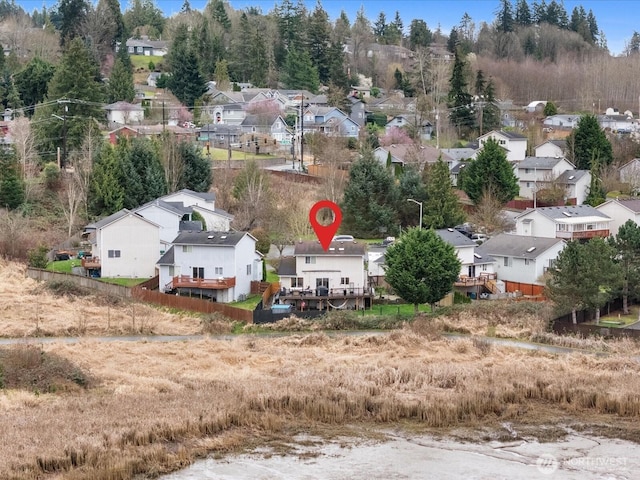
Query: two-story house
(620,211)
(332,279)
(515,144)
(203,203)
(576,184)
(571,222)
(551,148)
(270,124)
(215,265)
(535,173)
(123,244)
(521,261)
(330,121)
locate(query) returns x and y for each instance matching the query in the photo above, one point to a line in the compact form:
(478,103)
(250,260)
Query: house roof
(455,238)
(349,248)
(167,258)
(541,163)
(408,152)
(571,177)
(455,170)
(206,196)
(287,267)
(628,203)
(193,225)
(634,162)
(521,246)
(107,220)
(459,153)
(221,239)
(562,144)
(505,133)
(177,208)
(264,120)
(564,213)
(126,106)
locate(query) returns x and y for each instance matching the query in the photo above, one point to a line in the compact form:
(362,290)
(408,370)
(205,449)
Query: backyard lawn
(396,309)
(142,61)
(249,304)
(618,319)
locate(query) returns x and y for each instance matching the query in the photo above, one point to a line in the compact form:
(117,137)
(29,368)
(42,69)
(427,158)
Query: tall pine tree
(442,208)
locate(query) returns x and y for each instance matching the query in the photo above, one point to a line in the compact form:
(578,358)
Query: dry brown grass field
(120,410)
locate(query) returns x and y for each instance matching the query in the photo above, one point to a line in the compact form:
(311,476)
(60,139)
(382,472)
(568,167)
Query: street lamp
(418,203)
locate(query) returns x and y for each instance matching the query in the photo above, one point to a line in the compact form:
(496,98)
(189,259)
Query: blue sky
(617,18)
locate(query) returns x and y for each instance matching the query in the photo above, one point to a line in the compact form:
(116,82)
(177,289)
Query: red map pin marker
(325,233)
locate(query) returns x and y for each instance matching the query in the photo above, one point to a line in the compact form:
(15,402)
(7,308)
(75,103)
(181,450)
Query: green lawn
(125,282)
(272,276)
(142,61)
(63,266)
(221,154)
(396,309)
(248,304)
(618,320)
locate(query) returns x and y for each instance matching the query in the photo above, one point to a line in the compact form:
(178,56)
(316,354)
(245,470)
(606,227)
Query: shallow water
(575,457)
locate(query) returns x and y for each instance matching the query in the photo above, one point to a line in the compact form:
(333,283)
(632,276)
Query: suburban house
(215,265)
(220,135)
(411,121)
(317,279)
(358,110)
(522,260)
(514,143)
(571,222)
(413,154)
(551,148)
(228,114)
(617,123)
(630,173)
(124,113)
(144,46)
(454,172)
(203,203)
(270,124)
(123,244)
(535,172)
(561,121)
(576,184)
(171,217)
(536,106)
(620,211)
(329,120)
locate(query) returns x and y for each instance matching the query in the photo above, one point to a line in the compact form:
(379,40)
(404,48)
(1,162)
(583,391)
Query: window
(297,282)
(249,269)
(526,170)
(590,226)
(344,281)
(187,248)
(114,254)
(528,261)
(218,271)
(172,270)
(309,260)
(198,272)
(507,261)
(322,282)
(528,184)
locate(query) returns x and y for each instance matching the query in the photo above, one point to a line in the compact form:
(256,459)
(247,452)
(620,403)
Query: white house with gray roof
(571,222)
(522,260)
(551,148)
(171,217)
(620,210)
(514,143)
(123,244)
(216,265)
(534,173)
(472,264)
(561,121)
(204,203)
(576,184)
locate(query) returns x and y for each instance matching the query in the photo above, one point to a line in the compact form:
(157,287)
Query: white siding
(334,268)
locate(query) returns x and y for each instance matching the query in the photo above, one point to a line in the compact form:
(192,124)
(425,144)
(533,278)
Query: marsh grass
(160,406)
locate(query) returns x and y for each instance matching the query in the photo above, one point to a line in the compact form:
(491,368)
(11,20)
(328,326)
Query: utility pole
(301,132)
(163,127)
(63,160)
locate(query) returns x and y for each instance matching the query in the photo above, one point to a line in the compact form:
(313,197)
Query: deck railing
(185,281)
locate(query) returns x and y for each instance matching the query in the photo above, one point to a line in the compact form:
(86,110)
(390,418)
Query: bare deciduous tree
(70,197)
(24,144)
(82,162)
(172,162)
(488,216)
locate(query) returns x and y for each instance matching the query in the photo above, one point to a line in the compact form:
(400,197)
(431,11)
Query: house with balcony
(536,173)
(522,260)
(515,144)
(123,244)
(571,222)
(209,264)
(268,124)
(313,278)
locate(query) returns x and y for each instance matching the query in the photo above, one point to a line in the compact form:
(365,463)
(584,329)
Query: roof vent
(210,237)
(332,248)
(572,177)
(566,214)
(450,229)
(223,237)
(530,249)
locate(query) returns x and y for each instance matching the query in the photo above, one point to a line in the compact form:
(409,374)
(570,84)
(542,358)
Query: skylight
(477,255)
(572,177)
(566,214)
(530,249)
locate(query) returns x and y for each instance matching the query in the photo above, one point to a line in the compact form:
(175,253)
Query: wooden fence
(193,304)
(86,282)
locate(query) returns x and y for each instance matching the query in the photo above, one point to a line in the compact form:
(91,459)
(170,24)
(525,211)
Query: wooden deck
(184,281)
(312,293)
(91,263)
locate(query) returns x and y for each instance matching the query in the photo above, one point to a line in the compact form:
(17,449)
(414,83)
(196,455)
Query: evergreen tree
(596,195)
(562,287)
(319,42)
(379,27)
(626,244)
(120,87)
(219,14)
(369,199)
(504,19)
(459,99)
(106,192)
(522,15)
(410,186)
(69,17)
(550,109)
(12,193)
(453,41)
(197,174)
(442,208)
(185,82)
(299,72)
(64,123)
(32,81)
(491,172)
(590,144)
(142,173)
(419,34)
(421,267)
(490,113)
